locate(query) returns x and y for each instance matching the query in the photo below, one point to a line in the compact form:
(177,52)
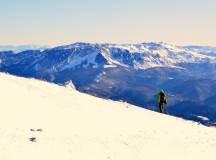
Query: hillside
(69,125)
(128,72)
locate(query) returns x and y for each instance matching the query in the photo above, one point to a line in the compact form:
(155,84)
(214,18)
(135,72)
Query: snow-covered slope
(138,56)
(157,55)
(129,72)
(207,50)
(71,125)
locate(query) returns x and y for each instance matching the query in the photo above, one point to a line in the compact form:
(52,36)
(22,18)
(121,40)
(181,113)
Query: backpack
(162,98)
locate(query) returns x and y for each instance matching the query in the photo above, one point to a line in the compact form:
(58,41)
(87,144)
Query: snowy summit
(42,121)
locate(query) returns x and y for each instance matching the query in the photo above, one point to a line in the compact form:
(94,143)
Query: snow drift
(43,121)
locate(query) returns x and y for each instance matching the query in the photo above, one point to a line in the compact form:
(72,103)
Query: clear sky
(55,22)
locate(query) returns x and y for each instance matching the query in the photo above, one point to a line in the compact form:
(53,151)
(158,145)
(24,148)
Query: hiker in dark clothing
(162,100)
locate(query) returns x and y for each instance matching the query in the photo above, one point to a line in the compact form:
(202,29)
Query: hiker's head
(161,91)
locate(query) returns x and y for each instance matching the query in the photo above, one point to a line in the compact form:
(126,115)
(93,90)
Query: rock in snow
(81,127)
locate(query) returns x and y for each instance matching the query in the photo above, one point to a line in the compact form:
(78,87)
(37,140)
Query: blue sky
(54,22)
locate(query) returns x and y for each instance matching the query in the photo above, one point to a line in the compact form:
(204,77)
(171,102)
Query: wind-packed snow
(42,121)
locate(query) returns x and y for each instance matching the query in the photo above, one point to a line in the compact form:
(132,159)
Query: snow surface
(149,55)
(203,118)
(202,49)
(162,54)
(74,61)
(71,125)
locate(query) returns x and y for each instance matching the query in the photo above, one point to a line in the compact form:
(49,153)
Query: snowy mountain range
(207,50)
(44,121)
(21,48)
(128,72)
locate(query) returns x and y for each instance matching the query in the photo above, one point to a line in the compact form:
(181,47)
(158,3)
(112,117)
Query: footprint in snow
(34,139)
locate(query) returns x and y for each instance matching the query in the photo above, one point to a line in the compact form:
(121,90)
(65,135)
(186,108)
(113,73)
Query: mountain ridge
(132,73)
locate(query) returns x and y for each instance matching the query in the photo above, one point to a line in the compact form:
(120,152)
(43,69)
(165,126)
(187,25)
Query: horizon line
(89,42)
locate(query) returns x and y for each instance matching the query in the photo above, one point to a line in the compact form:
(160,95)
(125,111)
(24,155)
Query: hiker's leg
(160,107)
